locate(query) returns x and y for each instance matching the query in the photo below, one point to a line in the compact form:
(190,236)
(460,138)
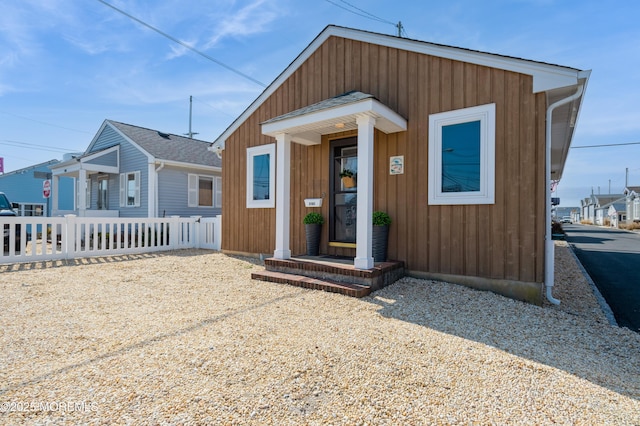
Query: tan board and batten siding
(503,241)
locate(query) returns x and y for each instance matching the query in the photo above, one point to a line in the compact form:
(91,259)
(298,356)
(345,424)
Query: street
(612,259)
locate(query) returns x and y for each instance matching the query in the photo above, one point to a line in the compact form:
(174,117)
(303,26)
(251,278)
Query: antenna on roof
(190,134)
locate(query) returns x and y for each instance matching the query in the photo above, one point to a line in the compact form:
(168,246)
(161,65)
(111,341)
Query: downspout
(549,248)
(155,207)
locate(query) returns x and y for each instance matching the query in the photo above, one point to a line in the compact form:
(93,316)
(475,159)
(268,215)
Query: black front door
(344,187)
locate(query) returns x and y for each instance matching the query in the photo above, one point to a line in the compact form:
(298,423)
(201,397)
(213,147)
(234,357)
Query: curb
(603,303)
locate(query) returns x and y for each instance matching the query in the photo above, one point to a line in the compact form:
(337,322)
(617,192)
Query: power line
(183,44)
(32,146)
(609,144)
(42,122)
(363,13)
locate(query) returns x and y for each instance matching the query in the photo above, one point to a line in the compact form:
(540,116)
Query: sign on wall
(396,165)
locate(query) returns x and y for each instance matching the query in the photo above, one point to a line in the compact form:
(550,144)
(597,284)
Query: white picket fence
(29,239)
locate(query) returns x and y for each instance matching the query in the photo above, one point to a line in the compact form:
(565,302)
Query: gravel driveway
(186,337)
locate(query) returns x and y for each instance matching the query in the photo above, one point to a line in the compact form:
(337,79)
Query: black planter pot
(380,238)
(314,233)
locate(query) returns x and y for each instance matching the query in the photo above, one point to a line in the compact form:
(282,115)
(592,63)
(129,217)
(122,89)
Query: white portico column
(82,193)
(55,185)
(283,195)
(364,258)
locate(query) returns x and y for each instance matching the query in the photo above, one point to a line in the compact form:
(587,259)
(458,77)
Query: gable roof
(558,81)
(631,189)
(167,146)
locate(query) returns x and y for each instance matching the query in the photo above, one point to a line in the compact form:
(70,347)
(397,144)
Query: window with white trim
(261,176)
(204,191)
(462,156)
(130,189)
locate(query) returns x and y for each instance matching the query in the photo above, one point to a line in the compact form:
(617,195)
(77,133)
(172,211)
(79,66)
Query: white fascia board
(369,107)
(397,122)
(188,165)
(545,76)
(101,153)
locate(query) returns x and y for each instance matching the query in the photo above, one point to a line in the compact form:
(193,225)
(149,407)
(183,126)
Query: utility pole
(190,134)
(626,178)
(400,28)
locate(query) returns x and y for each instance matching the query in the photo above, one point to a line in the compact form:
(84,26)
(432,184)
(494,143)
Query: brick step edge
(353,290)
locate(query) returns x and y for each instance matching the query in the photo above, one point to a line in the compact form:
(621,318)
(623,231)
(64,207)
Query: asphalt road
(612,259)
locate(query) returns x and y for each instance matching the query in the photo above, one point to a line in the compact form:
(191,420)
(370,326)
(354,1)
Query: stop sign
(46,188)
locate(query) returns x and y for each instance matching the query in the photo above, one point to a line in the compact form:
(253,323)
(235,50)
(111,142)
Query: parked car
(566,219)
(7,210)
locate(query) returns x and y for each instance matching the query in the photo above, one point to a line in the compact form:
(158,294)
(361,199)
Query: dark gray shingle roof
(170,147)
(336,101)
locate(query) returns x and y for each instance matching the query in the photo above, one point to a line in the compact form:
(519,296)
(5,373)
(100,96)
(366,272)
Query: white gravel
(187,337)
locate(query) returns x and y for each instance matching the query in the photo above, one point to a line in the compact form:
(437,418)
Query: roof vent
(164,135)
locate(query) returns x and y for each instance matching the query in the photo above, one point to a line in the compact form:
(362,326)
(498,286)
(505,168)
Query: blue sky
(67,65)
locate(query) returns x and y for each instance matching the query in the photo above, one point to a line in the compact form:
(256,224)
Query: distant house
(24,187)
(594,210)
(632,201)
(131,171)
(441,138)
(614,213)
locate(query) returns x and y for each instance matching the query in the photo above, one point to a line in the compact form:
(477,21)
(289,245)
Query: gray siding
(109,159)
(173,192)
(132,160)
(107,139)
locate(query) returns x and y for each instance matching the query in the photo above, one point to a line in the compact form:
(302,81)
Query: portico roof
(307,125)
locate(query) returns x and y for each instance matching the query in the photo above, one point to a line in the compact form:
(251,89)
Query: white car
(566,219)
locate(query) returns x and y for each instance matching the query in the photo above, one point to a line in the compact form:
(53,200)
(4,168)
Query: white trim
(193,190)
(124,189)
(308,129)
(252,152)
(545,76)
(283,196)
(364,220)
(486,114)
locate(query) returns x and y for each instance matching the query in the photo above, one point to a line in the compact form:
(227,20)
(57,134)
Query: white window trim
(193,190)
(486,114)
(124,189)
(251,153)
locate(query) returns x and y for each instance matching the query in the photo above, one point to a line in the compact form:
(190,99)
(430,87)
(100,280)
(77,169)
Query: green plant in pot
(348,177)
(313,229)
(380,236)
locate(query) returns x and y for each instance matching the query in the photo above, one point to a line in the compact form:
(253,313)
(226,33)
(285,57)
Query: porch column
(283,195)
(364,230)
(53,197)
(82,193)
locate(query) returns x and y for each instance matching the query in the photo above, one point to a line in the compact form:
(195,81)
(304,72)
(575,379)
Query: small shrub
(381,218)
(313,218)
(556,228)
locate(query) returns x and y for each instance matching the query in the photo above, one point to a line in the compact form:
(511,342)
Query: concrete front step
(353,290)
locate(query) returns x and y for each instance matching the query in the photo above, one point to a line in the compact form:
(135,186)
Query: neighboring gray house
(632,201)
(611,214)
(131,171)
(592,207)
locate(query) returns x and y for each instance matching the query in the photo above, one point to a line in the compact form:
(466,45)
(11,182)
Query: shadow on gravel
(602,354)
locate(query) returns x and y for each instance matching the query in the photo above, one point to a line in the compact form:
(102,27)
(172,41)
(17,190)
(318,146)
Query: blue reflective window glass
(461,157)
(261,177)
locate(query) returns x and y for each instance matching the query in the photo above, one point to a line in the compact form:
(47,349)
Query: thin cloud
(251,19)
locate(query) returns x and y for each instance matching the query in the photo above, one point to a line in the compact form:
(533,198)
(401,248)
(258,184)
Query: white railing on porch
(29,239)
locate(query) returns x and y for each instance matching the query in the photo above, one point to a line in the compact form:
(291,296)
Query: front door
(344,187)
